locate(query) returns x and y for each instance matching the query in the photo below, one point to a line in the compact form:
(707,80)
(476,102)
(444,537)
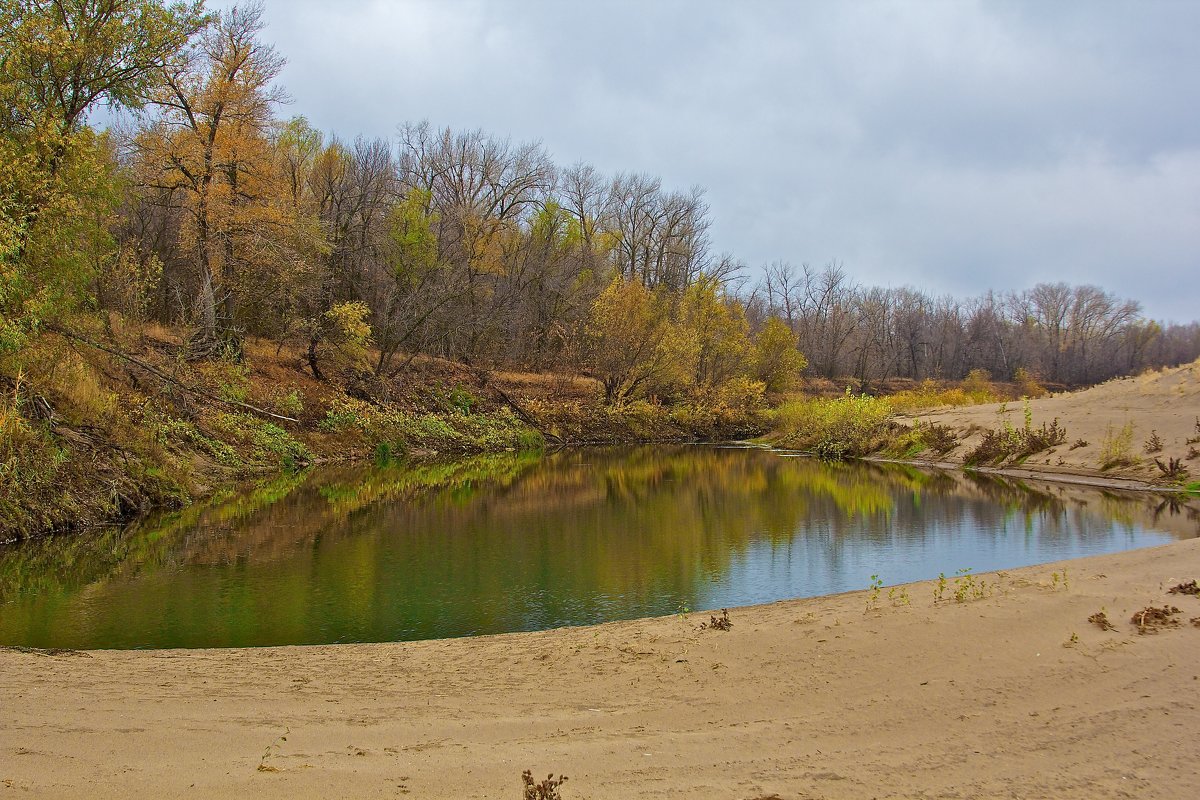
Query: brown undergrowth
(105,420)
(1153,619)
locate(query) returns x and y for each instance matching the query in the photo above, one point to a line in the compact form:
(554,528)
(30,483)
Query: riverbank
(1011,694)
(105,423)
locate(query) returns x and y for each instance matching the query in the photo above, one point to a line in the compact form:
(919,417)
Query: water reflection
(521,542)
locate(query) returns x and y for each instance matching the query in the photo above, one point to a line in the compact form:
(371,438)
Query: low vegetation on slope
(99,425)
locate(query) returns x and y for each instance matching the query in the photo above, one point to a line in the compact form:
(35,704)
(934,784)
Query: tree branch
(156,371)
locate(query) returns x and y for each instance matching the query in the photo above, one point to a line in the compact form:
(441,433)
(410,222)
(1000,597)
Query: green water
(524,542)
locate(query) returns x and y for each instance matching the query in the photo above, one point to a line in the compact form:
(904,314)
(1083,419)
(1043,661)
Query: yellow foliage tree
(718,326)
(634,346)
(777,361)
(57,61)
(211,153)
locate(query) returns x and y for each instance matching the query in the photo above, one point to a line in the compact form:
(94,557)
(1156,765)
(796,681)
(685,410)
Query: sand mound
(1162,405)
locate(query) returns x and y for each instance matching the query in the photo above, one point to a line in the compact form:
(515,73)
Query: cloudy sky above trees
(952,146)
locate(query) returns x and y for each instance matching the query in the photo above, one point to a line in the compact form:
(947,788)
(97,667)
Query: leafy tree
(634,344)
(719,328)
(210,153)
(777,361)
(57,61)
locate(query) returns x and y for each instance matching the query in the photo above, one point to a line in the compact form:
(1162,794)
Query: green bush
(268,442)
(456,431)
(169,430)
(846,427)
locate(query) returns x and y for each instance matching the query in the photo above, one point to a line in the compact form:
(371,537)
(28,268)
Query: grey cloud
(953,146)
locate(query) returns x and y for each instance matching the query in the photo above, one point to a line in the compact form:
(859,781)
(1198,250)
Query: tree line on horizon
(209,211)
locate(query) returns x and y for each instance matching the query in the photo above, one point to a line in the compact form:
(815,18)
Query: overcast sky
(952,146)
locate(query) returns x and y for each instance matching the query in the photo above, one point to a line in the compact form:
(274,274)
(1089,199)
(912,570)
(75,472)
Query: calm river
(525,542)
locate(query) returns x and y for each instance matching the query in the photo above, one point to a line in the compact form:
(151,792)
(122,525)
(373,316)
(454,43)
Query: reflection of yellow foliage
(854,492)
(400,482)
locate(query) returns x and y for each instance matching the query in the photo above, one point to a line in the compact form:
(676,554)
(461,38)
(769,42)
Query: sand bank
(1012,695)
(1163,404)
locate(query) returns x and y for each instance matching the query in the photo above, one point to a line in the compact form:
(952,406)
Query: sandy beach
(1014,694)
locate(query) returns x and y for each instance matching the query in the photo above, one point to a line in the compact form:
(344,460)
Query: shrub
(29,461)
(268,442)
(1173,470)
(1117,448)
(290,404)
(544,790)
(167,430)
(232,379)
(1013,444)
(929,395)
(1028,384)
(921,437)
(777,361)
(978,384)
(845,427)
(404,431)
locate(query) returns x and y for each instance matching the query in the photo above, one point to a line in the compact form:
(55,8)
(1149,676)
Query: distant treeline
(1063,334)
(210,211)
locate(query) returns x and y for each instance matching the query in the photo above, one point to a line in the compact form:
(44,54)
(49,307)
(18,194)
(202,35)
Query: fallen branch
(524,415)
(156,371)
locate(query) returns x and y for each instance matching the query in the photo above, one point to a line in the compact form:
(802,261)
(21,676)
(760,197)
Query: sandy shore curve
(1009,694)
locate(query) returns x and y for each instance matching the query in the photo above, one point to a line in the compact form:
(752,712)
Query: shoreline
(1013,693)
(1066,476)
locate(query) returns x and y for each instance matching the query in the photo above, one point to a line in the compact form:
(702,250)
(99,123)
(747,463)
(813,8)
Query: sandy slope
(802,699)
(1166,402)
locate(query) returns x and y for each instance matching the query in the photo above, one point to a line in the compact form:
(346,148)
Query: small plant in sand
(1100,620)
(1173,470)
(1154,444)
(1072,641)
(1188,587)
(1152,620)
(1195,439)
(1078,443)
(1060,580)
(1008,444)
(940,438)
(898,596)
(968,587)
(1117,448)
(939,588)
(272,749)
(543,790)
(715,623)
(873,597)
